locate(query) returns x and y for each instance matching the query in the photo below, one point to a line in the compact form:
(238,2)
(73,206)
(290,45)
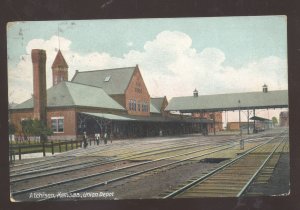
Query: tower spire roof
(59,61)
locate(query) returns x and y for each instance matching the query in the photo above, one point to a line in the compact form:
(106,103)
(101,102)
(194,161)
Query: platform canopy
(229,102)
(108,116)
(259,118)
(154,119)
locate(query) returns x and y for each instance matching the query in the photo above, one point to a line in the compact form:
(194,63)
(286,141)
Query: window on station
(145,107)
(24,119)
(134,105)
(57,124)
(129,104)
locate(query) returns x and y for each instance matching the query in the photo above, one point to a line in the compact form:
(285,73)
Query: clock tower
(59,69)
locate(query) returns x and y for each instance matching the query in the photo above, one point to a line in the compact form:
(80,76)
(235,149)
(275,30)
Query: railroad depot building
(113,100)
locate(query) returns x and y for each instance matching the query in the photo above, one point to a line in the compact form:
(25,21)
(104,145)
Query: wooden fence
(46,147)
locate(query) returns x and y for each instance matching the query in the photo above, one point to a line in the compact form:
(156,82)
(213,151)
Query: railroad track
(150,153)
(97,162)
(104,178)
(100,161)
(89,152)
(234,177)
(58,161)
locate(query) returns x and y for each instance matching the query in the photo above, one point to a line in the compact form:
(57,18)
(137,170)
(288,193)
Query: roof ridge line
(156,97)
(230,93)
(106,69)
(78,83)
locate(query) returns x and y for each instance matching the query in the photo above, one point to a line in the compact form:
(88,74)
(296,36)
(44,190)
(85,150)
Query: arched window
(134,105)
(146,104)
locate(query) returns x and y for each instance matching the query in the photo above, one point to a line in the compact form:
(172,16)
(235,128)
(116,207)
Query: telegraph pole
(241,141)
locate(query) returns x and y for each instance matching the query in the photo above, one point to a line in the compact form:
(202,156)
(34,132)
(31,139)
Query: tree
(11,130)
(27,129)
(35,128)
(40,129)
(274,121)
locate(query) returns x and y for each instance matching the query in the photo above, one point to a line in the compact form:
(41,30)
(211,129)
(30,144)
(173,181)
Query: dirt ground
(158,183)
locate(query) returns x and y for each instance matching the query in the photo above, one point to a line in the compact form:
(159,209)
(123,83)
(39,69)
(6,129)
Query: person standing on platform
(85,143)
(105,137)
(97,137)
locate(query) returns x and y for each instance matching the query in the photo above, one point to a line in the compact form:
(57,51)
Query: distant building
(216,118)
(284,119)
(235,126)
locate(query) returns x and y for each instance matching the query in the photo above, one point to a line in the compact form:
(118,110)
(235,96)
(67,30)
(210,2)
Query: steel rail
(188,186)
(74,151)
(89,149)
(138,155)
(42,165)
(33,171)
(92,161)
(143,171)
(159,150)
(126,167)
(68,158)
(88,152)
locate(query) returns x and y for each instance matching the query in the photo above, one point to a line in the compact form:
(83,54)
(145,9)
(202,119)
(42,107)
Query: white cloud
(129,44)
(169,64)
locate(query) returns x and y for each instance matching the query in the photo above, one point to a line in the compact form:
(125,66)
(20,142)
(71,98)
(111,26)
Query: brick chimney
(39,85)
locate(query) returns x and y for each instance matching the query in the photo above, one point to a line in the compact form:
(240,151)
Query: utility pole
(241,141)
(248,126)
(239,115)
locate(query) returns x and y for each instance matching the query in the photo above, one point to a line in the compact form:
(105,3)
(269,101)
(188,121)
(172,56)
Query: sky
(175,55)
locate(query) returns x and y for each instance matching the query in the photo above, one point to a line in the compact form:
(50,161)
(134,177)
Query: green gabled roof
(157,102)
(117,79)
(67,94)
(153,109)
(221,102)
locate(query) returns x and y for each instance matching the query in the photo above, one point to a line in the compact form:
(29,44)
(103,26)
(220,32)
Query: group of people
(97,138)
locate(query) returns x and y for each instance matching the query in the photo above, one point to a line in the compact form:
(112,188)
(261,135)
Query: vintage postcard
(160,108)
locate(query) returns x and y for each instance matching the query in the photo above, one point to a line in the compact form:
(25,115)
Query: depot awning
(108,116)
(259,118)
(145,118)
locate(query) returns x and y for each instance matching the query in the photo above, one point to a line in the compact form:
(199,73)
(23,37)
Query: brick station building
(113,100)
